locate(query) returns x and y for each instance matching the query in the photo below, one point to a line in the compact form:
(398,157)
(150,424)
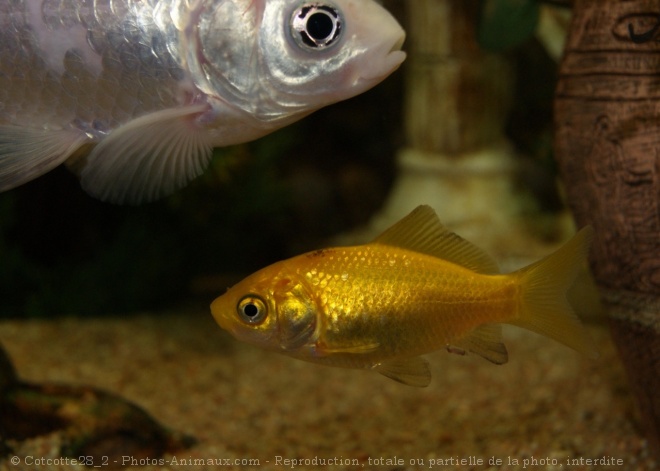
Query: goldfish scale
(383,315)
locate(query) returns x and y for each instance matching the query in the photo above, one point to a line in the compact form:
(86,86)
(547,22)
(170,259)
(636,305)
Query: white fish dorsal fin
(411,371)
(27,153)
(485,341)
(148,158)
(421,231)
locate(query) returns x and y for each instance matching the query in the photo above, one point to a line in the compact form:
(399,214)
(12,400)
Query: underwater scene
(330,234)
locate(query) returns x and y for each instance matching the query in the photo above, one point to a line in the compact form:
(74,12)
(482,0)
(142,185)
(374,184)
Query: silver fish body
(134,94)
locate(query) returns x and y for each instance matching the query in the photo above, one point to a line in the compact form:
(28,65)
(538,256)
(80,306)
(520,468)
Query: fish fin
(485,341)
(294,336)
(27,153)
(148,157)
(422,231)
(365,348)
(544,306)
(412,371)
(456,350)
(583,295)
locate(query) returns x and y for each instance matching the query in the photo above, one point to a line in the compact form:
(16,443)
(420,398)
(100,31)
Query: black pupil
(250,310)
(319,26)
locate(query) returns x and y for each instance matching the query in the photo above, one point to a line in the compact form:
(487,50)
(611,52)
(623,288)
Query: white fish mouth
(392,58)
(396,47)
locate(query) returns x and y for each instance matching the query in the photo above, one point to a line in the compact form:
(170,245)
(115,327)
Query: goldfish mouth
(216,312)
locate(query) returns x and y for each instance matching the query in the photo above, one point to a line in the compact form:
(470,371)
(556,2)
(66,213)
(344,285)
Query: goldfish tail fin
(544,307)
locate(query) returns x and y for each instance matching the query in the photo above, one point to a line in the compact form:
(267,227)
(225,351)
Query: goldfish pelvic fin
(421,231)
(26,154)
(148,158)
(411,371)
(544,306)
(485,341)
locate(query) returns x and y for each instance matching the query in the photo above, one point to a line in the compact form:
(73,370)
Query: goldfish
(416,288)
(133,95)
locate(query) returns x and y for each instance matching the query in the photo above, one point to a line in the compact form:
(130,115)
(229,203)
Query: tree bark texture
(607,117)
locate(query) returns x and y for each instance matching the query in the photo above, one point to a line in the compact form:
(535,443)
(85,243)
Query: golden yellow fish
(416,288)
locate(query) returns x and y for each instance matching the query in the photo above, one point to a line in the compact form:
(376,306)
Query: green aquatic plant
(506,24)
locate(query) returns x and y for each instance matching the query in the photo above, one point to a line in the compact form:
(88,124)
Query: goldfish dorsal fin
(485,341)
(422,231)
(27,153)
(411,371)
(148,158)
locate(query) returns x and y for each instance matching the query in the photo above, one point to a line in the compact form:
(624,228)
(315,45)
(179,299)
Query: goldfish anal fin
(410,371)
(27,153)
(148,158)
(485,341)
(421,231)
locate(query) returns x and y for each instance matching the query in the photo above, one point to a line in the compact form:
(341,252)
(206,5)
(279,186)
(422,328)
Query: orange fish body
(415,289)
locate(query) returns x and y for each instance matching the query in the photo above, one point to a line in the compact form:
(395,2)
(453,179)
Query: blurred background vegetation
(65,253)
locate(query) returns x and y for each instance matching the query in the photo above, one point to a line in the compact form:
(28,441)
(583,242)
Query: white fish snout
(380,34)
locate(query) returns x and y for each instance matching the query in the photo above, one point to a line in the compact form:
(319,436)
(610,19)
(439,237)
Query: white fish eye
(252,309)
(316,25)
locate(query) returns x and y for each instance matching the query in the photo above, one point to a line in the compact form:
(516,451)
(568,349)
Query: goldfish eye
(252,309)
(316,26)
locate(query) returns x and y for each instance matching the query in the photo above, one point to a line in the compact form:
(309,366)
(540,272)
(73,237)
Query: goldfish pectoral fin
(26,153)
(422,231)
(359,349)
(485,341)
(295,335)
(411,371)
(148,158)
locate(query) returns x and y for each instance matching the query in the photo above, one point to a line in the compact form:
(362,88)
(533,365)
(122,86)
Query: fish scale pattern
(91,65)
(401,300)
(415,289)
(134,94)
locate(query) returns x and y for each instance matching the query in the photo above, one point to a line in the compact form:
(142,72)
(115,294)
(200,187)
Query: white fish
(134,94)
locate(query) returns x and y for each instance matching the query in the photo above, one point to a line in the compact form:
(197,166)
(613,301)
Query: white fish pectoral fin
(148,158)
(27,153)
(485,341)
(410,371)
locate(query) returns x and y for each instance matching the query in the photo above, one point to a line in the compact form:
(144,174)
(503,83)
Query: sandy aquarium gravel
(547,409)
